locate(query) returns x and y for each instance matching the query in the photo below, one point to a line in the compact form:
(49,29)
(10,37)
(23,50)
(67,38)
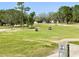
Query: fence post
(68,50)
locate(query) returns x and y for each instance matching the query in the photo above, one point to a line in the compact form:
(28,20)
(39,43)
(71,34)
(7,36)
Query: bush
(50,28)
(36,29)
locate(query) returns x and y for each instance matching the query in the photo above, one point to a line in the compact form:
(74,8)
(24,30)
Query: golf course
(39,29)
(28,42)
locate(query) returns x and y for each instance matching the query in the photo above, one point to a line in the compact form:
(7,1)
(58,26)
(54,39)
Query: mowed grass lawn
(75,42)
(27,42)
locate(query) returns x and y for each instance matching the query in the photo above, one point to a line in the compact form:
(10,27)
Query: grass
(25,48)
(27,42)
(75,42)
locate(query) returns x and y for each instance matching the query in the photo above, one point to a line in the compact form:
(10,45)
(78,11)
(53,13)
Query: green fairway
(27,42)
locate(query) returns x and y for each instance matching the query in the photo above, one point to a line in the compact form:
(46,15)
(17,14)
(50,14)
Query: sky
(39,7)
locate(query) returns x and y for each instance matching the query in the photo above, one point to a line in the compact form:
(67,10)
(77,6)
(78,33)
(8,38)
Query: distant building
(52,21)
(35,22)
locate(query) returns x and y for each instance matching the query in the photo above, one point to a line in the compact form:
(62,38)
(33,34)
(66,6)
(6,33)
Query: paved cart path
(74,49)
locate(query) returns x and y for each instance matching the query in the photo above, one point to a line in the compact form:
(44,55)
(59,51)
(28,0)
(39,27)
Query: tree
(13,16)
(27,9)
(75,13)
(66,13)
(55,17)
(31,19)
(37,19)
(50,16)
(23,9)
(42,17)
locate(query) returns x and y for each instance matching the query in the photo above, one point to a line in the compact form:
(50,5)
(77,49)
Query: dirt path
(74,49)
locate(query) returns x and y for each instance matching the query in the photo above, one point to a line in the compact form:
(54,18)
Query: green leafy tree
(75,13)
(55,17)
(20,7)
(23,9)
(50,16)
(66,13)
(42,17)
(31,19)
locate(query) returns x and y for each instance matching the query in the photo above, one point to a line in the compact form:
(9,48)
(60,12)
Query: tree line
(19,15)
(65,14)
